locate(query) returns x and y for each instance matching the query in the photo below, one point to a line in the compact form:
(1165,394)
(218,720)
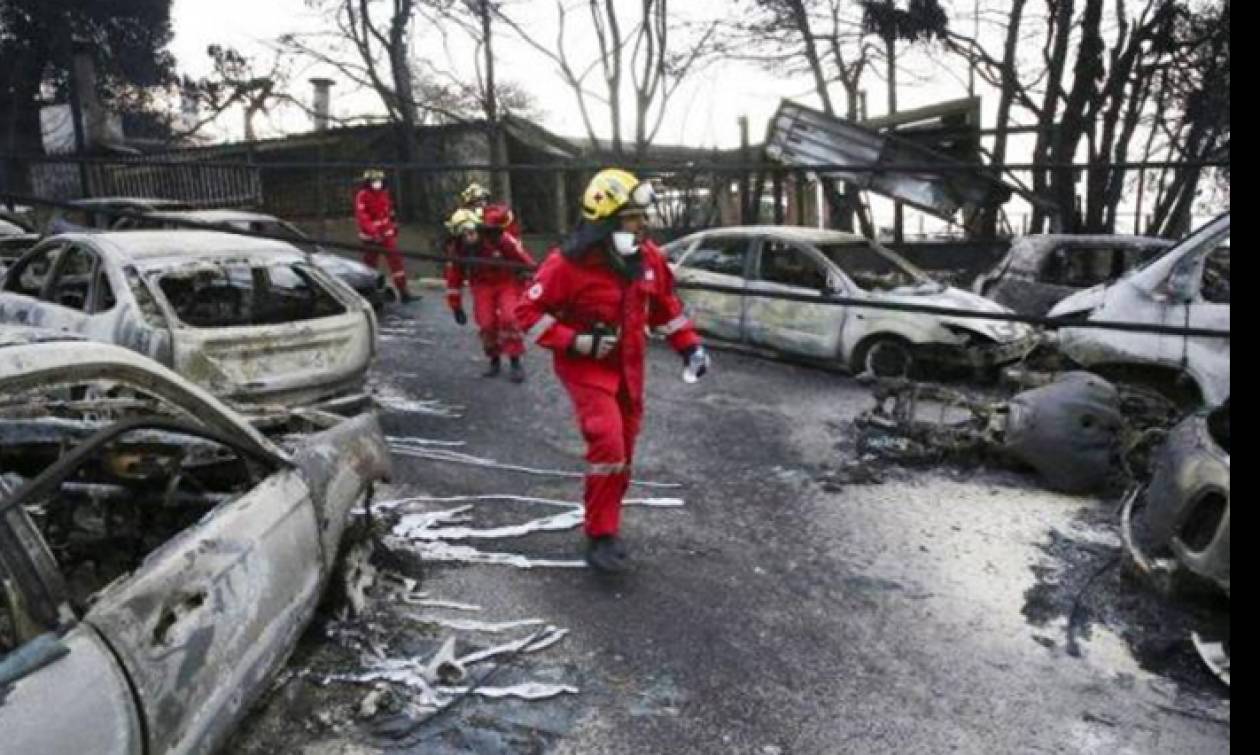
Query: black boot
(496,366)
(516,372)
(604,556)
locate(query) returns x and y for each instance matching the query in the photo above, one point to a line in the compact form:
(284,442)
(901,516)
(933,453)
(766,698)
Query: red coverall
(374,211)
(495,290)
(570,296)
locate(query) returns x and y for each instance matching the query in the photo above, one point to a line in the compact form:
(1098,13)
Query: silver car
(159,557)
(1187,286)
(821,263)
(251,320)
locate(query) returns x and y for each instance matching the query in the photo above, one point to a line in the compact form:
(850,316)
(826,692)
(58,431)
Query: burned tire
(884,356)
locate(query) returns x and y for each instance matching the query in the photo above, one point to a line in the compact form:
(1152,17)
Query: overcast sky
(704,113)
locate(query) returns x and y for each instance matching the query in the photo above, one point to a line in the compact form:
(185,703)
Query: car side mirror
(833,287)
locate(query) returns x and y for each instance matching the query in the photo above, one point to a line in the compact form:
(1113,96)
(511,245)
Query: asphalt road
(771,613)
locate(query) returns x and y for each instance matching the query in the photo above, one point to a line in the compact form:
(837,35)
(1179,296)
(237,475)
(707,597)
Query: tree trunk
(1085,76)
(1048,133)
(988,221)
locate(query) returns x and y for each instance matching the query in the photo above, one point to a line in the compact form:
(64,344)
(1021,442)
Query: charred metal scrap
(1176,528)
(1072,431)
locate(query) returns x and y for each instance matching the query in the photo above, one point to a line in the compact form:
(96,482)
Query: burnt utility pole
(890,42)
(79,77)
(745,189)
(492,106)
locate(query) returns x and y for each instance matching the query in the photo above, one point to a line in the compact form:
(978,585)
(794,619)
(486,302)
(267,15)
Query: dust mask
(625,243)
(377,185)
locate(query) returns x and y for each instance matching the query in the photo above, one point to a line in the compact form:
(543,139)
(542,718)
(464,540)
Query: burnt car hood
(1002,331)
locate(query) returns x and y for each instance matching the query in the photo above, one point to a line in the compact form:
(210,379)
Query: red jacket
(374,211)
(570,296)
(458,270)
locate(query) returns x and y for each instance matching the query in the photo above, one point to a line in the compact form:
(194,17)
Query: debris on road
(1215,656)
(1074,432)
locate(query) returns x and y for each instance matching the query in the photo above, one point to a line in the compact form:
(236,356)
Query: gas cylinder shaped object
(1069,431)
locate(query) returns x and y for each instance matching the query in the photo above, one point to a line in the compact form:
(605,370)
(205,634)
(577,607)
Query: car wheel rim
(888,359)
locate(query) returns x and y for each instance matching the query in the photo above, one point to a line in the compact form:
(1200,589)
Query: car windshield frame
(918,277)
(1217,226)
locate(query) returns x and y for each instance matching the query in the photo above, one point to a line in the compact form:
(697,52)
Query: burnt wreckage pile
(1083,434)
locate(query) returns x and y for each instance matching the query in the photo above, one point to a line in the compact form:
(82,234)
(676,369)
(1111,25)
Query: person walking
(591,303)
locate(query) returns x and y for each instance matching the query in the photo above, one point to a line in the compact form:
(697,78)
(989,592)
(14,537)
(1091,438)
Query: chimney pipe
(320,105)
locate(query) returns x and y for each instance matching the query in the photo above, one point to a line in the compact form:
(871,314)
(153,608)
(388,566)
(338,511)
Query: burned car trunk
(164,564)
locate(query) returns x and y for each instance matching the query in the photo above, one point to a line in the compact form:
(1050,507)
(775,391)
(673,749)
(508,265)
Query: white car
(251,320)
(1186,286)
(822,263)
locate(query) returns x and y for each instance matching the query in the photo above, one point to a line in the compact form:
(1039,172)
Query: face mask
(377,185)
(625,243)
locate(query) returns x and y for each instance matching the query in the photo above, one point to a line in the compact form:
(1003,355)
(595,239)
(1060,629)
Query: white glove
(597,345)
(695,364)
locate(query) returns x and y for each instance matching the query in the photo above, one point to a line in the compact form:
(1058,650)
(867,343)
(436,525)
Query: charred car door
(720,261)
(200,622)
(1200,284)
(61,688)
(794,327)
(192,548)
(215,610)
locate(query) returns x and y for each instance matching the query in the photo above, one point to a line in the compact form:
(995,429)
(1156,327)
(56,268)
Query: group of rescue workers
(591,302)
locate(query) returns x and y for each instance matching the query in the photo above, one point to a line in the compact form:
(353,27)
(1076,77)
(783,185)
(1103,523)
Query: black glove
(460,317)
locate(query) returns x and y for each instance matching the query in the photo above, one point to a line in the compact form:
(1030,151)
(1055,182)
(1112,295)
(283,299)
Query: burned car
(101,213)
(819,263)
(1186,286)
(370,284)
(159,558)
(251,320)
(1039,271)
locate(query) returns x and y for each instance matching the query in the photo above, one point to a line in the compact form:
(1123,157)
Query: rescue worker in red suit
(591,302)
(496,288)
(476,197)
(374,212)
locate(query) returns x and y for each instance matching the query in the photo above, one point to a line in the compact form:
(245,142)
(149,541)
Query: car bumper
(998,354)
